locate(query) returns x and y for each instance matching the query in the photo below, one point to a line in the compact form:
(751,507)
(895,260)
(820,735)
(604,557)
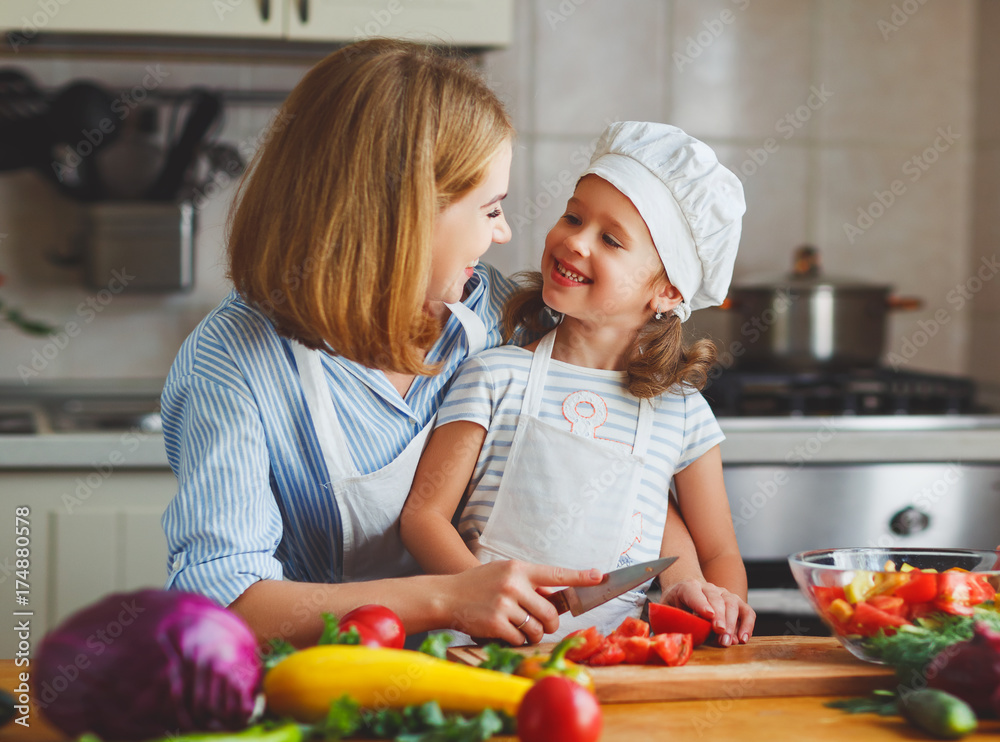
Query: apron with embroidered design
(565,498)
(369,504)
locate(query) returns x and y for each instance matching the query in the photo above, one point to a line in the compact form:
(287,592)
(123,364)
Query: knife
(579,600)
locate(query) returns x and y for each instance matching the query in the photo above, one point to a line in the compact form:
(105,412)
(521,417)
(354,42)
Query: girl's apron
(565,498)
(369,504)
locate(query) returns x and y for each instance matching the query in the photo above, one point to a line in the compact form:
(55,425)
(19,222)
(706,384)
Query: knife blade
(579,600)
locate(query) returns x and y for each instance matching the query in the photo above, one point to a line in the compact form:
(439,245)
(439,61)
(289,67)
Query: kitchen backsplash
(863,127)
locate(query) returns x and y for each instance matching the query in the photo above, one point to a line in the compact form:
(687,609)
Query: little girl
(565,452)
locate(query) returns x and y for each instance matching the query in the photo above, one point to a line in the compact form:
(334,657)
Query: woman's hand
(501,600)
(732,618)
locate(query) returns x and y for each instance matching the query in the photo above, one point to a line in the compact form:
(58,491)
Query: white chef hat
(691,204)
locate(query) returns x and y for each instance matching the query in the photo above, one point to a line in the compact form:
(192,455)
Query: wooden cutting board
(766,666)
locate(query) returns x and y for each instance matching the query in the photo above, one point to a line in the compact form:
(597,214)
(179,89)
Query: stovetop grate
(868,391)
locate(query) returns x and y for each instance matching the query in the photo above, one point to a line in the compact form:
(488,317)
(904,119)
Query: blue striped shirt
(253,501)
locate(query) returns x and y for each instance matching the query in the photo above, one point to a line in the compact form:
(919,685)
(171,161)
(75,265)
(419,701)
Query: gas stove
(865,457)
(863,391)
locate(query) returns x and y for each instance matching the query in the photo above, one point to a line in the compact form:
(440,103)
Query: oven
(869,457)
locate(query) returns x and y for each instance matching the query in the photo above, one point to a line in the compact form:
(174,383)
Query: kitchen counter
(732,718)
(859,439)
(748,441)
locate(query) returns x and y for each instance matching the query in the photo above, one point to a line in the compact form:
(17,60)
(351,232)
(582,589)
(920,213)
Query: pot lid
(806,273)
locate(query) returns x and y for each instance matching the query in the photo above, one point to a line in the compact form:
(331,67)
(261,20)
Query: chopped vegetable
(558,710)
(143,664)
(882,602)
(593,641)
(673,649)
(940,714)
(666,619)
(303,685)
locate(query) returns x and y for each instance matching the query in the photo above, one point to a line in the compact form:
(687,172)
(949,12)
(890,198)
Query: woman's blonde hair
(330,234)
(656,360)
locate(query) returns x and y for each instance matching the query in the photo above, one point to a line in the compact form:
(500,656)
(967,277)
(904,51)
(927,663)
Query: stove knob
(909,521)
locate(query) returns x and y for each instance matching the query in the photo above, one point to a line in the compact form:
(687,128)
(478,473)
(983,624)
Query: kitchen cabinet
(460,22)
(90,533)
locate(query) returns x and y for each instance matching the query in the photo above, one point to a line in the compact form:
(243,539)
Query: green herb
(277,650)
(331,630)
(501,659)
(436,645)
(912,648)
(884,703)
(423,723)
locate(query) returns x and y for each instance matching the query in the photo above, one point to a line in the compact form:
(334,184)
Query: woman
(295,413)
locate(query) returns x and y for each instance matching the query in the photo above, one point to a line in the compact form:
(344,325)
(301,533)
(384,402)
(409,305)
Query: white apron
(565,498)
(369,504)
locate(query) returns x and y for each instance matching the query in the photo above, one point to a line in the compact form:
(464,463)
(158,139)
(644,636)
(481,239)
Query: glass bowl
(861,592)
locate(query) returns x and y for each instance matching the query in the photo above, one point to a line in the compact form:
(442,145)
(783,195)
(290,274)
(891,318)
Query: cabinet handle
(304,11)
(265,10)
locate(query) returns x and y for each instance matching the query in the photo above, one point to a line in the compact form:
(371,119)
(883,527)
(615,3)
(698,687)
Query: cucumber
(940,714)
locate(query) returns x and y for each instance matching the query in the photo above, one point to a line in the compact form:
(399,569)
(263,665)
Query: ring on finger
(526,619)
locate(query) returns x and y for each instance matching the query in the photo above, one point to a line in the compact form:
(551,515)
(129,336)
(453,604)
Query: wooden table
(773,719)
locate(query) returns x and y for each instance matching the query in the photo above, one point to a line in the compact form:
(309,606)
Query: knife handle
(559,601)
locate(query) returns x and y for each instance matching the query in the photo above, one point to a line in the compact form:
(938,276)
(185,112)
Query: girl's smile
(567,275)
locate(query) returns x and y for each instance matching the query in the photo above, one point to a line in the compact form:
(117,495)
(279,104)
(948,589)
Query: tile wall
(819,106)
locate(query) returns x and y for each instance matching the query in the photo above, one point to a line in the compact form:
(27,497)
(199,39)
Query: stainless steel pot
(805,322)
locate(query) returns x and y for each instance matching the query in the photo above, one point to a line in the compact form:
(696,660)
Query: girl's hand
(732,618)
(493,600)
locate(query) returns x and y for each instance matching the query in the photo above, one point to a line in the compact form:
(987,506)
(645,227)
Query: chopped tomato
(636,648)
(921,587)
(867,620)
(610,653)
(893,605)
(665,619)
(826,595)
(593,640)
(631,627)
(673,649)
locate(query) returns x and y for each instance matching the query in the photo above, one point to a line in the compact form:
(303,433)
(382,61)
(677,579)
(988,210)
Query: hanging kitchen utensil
(82,123)
(24,138)
(204,110)
(805,321)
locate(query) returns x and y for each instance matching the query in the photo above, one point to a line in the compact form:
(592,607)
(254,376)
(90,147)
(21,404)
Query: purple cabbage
(971,670)
(148,664)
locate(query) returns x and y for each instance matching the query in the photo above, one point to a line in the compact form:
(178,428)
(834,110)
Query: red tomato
(593,640)
(636,648)
(674,649)
(610,653)
(631,627)
(665,619)
(377,625)
(555,709)
(868,620)
(920,588)
(893,605)
(826,595)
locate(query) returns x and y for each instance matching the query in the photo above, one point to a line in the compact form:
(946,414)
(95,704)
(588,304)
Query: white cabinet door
(459,22)
(88,536)
(228,18)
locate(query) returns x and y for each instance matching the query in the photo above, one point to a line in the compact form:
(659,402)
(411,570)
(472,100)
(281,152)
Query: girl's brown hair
(656,359)
(330,234)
